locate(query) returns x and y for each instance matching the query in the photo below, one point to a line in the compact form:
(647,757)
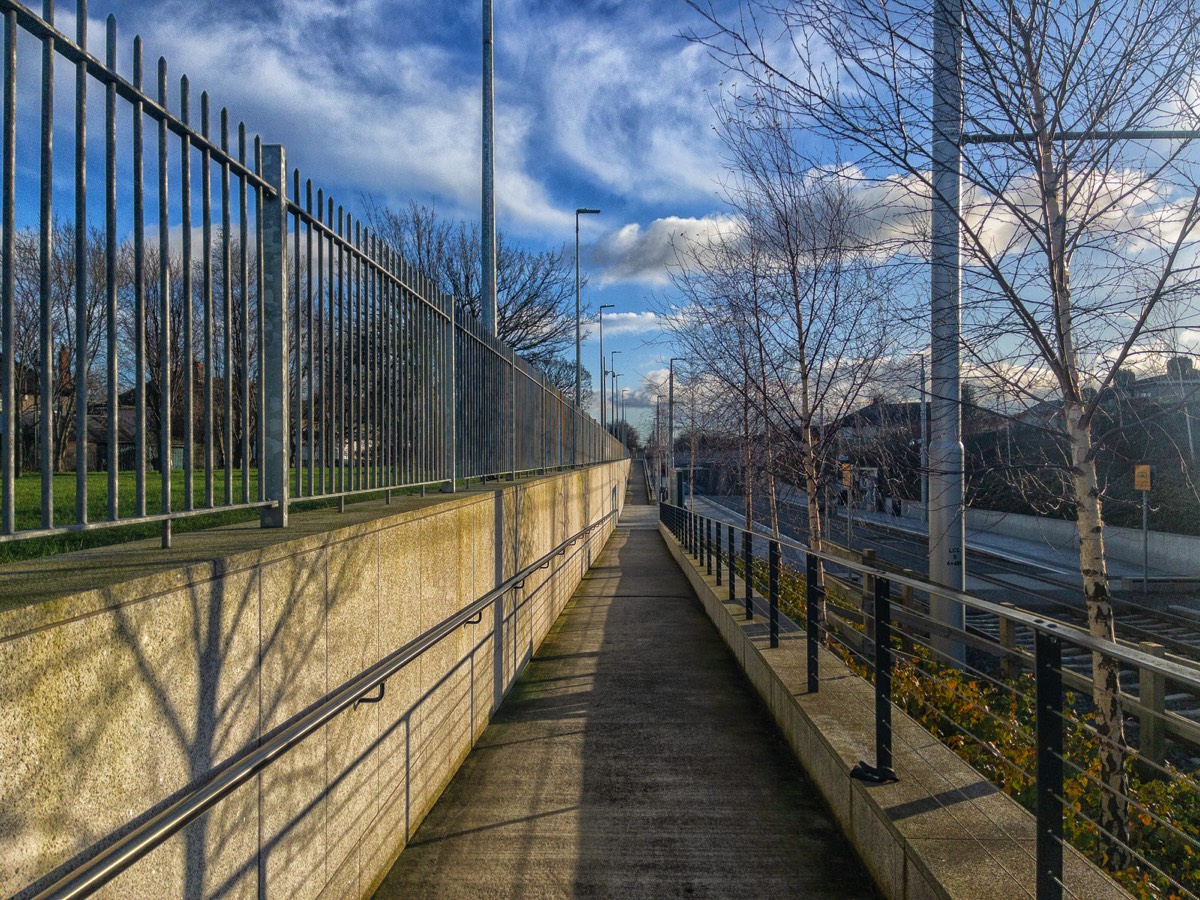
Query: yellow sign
(1141,478)
(847,474)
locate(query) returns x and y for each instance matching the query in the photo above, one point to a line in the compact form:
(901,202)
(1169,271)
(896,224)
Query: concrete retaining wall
(943,830)
(1178,554)
(115,699)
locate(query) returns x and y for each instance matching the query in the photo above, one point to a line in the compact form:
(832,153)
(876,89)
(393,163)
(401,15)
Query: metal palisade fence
(208,329)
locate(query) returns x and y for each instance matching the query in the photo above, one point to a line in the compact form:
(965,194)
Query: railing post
(773,589)
(868,596)
(883,676)
(717,547)
(1049,696)
(1008,643)
(748,571)
(708,548)
(274,464)
(814,596)
(907,603)
(729,557)
(1152,694)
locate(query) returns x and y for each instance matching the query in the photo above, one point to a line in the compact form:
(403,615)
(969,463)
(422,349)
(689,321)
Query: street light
(671,430)
(612,369)
(603,307)
(624,419)
(578,359)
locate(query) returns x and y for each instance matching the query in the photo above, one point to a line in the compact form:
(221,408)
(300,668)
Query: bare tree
(1075,230)
(535,290)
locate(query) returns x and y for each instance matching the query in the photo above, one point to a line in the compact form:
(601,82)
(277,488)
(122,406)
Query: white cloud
(632,253)
(641,323)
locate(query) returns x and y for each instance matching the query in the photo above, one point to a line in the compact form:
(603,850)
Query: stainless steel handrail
(106,865)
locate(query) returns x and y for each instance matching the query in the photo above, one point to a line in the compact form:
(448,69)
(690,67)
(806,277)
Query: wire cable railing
(1009,712)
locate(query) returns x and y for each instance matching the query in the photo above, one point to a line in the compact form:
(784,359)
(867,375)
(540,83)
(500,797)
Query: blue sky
(598,104)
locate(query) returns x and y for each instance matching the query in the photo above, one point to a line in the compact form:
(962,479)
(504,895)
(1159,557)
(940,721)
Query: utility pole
(671,486)
(489,177)
(947,536)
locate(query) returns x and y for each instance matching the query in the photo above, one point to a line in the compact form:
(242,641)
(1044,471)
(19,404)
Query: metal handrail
(106,865)
(1182,674)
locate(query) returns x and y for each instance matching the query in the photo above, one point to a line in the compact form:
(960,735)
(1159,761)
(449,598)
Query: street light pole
(603,307)
(582,211)
(489,177)
(612,369)
(671,432)
(947,536)
(624,418)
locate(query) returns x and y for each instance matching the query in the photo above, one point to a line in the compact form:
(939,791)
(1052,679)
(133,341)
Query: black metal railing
(864,624)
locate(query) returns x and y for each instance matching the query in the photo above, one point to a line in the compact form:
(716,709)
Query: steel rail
(106,865)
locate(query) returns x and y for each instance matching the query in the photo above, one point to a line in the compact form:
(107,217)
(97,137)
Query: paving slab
(632,759)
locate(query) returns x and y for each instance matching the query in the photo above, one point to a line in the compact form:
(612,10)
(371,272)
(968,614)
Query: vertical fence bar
(1049,698)
(45,247)
(883,678)
(10,419)
(729,556)
(748,572)
(260,315)
(275,337)
(773,556)
(164,305)
(207,273)
(82,326)
(243,274)
(717,549)
(708,545)
(227,382)
(139,288)
(189,338)
(814,598)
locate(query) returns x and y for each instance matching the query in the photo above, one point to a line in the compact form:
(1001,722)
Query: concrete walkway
(631,760)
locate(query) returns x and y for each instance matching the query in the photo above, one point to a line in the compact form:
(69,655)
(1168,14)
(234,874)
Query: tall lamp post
(671,432)
(603,307)
(624,418)
(612,370)
(488,255)
(582,211)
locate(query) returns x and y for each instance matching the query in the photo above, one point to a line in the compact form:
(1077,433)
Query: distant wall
(1178,554)
(113,701)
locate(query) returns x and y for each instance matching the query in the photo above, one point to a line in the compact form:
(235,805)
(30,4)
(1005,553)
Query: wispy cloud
(645,255)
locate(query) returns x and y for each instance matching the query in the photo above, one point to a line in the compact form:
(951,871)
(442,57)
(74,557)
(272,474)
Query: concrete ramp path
(632,759)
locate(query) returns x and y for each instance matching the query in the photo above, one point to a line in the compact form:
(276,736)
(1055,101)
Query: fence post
(729,544)
(907,603)
(1008,643)
(1049,697)
(274,464)
(1152,694)
(708,547)
(773,557)
(882,771)
(883,676)
(718,550)
(814,595)
(748,572)
(868,596)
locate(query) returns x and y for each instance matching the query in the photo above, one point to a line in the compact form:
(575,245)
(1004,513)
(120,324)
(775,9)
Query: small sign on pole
(1141,477)
(1141,482)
